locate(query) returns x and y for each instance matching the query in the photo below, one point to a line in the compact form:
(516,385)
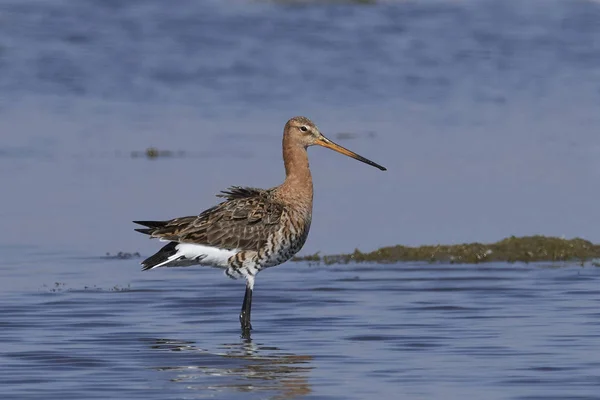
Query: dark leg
(245,314)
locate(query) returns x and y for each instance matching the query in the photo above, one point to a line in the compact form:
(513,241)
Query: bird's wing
(244,222)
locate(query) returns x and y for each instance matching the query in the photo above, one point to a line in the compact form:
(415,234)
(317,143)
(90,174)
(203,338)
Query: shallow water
(98,328)
(484,112)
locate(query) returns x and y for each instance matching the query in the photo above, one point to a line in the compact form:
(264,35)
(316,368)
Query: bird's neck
(298,186)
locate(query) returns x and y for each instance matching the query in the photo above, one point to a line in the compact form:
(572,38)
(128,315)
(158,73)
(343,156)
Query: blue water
(75,327)
(484,112)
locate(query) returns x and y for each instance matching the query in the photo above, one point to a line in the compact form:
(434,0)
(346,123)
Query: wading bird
(252,229)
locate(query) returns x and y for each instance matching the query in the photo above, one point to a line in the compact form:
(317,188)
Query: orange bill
(323,141)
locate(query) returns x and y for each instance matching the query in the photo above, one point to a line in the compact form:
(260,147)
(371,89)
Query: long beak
(323,141)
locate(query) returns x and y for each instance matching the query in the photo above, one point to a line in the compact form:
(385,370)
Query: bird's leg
(245,313)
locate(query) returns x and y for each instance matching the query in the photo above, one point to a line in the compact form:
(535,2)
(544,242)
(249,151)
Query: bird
(252,229)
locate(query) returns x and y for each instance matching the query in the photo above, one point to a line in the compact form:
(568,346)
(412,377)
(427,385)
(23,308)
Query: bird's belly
(283,246)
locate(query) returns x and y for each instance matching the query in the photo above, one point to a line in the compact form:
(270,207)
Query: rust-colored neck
(298,187)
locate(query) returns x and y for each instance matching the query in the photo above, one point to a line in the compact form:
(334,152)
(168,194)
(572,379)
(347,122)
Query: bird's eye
(303,128)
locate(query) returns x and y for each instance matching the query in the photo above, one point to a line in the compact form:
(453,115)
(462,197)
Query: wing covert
(244,221)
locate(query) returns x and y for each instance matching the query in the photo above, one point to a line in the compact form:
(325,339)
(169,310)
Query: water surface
(98,328)
(484,112)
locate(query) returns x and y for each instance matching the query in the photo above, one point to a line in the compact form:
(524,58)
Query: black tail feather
(161,256)
(151,224)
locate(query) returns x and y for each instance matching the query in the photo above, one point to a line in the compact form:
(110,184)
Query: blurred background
(485,112)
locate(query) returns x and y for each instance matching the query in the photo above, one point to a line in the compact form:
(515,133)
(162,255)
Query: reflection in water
(243,366)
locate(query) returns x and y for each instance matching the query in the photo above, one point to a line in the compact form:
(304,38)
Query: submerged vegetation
(511,249)
(122,255)
(153,152)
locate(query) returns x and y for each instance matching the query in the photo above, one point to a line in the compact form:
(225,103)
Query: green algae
(512,249)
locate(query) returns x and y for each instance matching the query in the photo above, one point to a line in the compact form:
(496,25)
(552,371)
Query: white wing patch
(197,254)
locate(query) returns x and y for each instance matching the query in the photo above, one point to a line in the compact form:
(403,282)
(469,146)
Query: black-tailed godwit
(252,229)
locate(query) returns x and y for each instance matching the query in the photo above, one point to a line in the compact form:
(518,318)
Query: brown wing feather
(239,192)
(244,221)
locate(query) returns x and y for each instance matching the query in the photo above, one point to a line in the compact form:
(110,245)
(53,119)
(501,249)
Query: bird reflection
(244,366)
